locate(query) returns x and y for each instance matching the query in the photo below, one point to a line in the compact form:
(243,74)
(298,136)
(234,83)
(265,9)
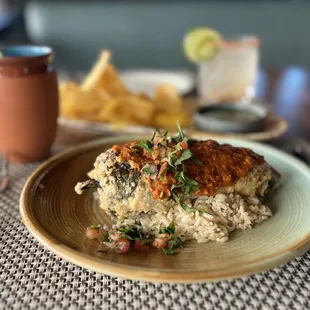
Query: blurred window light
(292,85)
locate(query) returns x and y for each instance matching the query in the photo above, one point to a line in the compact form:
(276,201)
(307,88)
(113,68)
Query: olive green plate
(58,218)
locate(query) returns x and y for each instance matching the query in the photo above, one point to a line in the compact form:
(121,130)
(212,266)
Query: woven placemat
(33,278)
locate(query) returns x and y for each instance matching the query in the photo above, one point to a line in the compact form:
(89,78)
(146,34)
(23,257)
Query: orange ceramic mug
(28,103)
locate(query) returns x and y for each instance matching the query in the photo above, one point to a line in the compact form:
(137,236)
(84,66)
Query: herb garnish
(185,184)
(150,170)
(171,158)
(154,134)
(163,174)
(182,136)
(146,144)
(95,227)
(172,245)
(134,150)
(185,155)
(135,236)
(178,154)
(131,232)
(168,230)
(197,161)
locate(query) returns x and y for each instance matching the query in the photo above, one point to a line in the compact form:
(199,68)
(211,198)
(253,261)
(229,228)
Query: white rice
(221,215)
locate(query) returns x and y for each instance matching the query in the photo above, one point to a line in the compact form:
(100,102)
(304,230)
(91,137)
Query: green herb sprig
(181,136)
(170,230)
(185,184)
(173,244)
(95,226)
(176,164)
(145,144)
(131,232)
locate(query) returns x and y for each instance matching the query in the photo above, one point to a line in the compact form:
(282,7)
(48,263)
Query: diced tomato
(184,145)
(141,246)
(149,183)
(156,153)
(122,245)
(156,194)
(160,243)
(93,233)
(115,236)
(227,178)
(147,154)
(161,190)
(170,179)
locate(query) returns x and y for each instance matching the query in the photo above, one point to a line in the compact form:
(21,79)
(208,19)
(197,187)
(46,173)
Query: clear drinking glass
(229,77)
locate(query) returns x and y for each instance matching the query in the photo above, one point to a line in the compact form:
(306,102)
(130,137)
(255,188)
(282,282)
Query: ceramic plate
(58,218)
(144,80)
(275,127)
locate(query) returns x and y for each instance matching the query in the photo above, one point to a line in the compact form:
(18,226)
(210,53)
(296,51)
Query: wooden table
(287,91)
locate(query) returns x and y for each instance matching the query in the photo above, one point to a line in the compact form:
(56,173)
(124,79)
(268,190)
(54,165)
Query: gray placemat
(33,278)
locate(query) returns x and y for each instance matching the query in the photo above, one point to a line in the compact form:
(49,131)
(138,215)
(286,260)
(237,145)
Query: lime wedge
(200,44)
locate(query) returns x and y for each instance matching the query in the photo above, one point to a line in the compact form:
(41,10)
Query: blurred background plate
(96,128)
(275,126)
(144,80)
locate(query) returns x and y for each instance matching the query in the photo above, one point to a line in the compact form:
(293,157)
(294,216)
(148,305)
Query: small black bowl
(233,118)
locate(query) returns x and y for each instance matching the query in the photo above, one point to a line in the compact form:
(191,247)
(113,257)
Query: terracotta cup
(28,103)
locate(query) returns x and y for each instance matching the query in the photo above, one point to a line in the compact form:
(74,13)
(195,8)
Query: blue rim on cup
(14,53)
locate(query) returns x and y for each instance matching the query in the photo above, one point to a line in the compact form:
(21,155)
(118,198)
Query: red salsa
(219,165)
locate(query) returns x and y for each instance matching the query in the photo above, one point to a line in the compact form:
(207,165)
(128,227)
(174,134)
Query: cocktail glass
(229,76)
